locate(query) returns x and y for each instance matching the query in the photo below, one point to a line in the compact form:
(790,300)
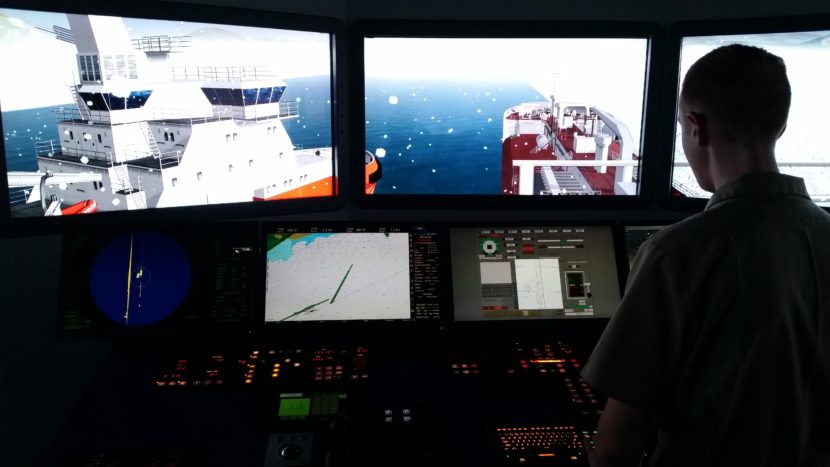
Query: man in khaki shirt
(722,339)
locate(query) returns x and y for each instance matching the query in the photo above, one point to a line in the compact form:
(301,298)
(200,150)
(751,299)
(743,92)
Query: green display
(295,407)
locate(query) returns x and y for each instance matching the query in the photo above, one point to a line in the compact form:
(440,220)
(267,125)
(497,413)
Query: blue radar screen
(140,278)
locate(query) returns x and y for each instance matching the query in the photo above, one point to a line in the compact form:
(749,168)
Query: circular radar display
(140,278)
(489,246)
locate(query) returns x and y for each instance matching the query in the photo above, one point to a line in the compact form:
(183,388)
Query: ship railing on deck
(527,167)
(170,159)
(687,191)
(185,117)
(161,44)
(73,114)
(52,148)
(222,73)
(616,156)
(288,109)
(165,160)
(18,196)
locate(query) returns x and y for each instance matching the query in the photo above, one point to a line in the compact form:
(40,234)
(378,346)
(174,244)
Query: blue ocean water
(440,137)
(313,128)
(21,130)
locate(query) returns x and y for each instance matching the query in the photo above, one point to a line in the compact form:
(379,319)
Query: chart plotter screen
(351,273)
(539,272)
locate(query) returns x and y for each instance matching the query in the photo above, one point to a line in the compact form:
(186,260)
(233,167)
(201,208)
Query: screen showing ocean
(436,109)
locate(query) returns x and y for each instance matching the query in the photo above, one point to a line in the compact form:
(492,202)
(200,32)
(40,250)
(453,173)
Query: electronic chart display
(322,273)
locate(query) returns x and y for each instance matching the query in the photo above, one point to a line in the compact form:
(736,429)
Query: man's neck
(732,162)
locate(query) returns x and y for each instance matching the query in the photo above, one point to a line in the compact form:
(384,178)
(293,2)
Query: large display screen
(801,150)
(351,273)
(112,114)
(533,272)
(504,116)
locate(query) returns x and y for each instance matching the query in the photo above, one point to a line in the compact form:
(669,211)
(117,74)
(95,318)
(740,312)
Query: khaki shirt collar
(762,183)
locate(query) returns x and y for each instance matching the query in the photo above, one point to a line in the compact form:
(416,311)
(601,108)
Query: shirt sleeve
(638,356)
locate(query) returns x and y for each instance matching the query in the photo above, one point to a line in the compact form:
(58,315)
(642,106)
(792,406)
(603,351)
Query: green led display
(295,407)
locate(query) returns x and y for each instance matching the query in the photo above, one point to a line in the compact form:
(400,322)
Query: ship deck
(144,162)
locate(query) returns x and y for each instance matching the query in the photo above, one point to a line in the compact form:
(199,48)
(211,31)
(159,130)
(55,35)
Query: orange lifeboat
(84,207)
(373,172)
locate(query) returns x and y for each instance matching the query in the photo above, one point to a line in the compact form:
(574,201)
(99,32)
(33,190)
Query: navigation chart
(337,276)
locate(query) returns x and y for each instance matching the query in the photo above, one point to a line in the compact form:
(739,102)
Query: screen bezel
(370,327)
(672,81)
(18,226)
(506,29)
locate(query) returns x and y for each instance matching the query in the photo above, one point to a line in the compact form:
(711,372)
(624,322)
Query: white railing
(222,73)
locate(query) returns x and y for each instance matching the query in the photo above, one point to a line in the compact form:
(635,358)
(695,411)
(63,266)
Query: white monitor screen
(351,274)
(112,114)
(800,150)
(504,116)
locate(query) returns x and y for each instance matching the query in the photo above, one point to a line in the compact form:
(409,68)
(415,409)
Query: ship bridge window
(265,95)
(124,66)
(94,100)
(223,96)
(89,68)
(249,96)
(135,100)
(277,94)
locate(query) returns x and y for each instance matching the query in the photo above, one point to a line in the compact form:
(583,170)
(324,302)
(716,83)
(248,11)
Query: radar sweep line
(129,282)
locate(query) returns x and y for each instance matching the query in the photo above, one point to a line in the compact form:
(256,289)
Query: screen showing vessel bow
(130,114)
(800,151)
(503,116)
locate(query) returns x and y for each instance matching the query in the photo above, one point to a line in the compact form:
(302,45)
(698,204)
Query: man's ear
(780,134)
(699,131)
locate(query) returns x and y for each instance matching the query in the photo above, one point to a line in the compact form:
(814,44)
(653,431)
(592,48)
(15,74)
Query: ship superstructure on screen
(533,272)
(364,274)
(801,151)
(108,113)
(504,116)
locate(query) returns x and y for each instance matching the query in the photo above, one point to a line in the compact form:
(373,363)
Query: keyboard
(541,445)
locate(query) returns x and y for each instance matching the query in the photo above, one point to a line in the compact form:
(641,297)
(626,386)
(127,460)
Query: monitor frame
(672,81)
(531,326)
(652,32)
(337,329)
(162,10)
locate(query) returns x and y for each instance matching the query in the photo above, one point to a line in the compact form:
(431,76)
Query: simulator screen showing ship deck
(488,116)
(800,151)
(129,114)
(324,274)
